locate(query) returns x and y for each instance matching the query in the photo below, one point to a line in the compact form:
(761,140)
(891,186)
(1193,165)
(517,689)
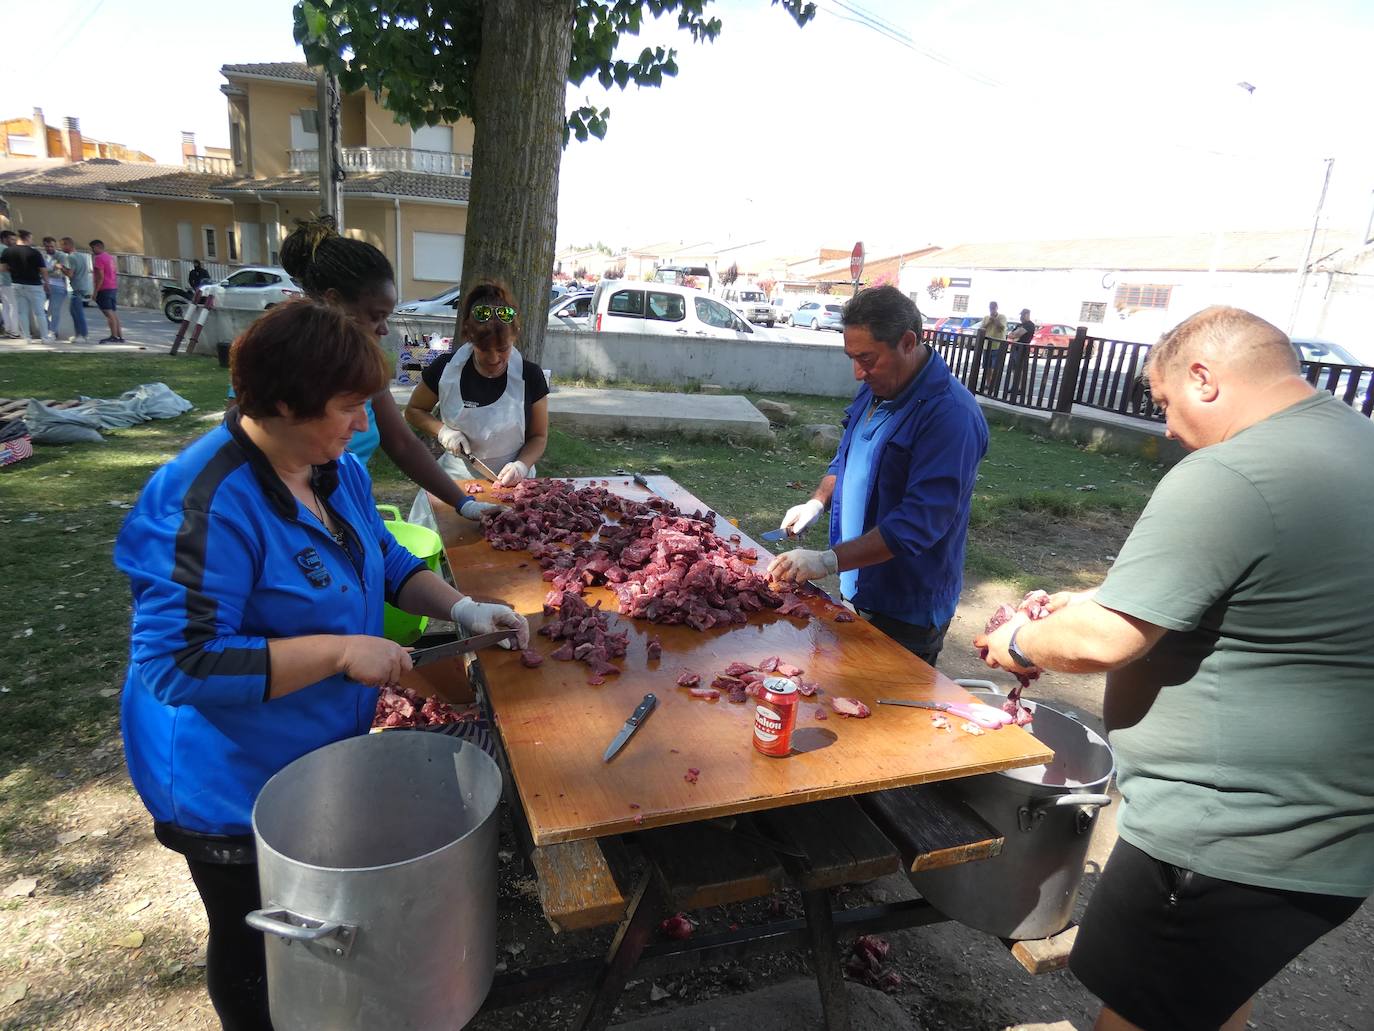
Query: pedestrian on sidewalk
(994,329)
(1021,335)
(106,290)
(9,297)
(81,286)
(29,273)
(1239,655)
(59,274)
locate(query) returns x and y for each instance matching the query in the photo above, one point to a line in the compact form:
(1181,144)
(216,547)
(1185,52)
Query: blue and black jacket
(222,558)
(919,495)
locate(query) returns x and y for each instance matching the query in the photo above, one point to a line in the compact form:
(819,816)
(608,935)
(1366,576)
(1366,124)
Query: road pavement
(146,331)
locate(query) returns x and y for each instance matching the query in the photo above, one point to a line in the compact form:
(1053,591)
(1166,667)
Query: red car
(1054,334)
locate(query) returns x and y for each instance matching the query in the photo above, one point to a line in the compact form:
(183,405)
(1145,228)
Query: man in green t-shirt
(1235,632)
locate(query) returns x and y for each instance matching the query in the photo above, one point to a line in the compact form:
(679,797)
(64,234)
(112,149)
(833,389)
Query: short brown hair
(301,354)
(495,293)
(1224,332)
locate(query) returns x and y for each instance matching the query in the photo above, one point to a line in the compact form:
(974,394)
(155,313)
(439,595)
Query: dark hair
(96,243)
(495,293)
(5,233)
(24,234)
(320,260)
(885,311)
(301,354)
(49,239)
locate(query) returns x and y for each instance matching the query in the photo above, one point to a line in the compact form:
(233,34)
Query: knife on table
(632,724)
(639,479)
(425,656)
(983,715)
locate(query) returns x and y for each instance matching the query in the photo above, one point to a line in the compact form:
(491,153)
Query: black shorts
(1174,950)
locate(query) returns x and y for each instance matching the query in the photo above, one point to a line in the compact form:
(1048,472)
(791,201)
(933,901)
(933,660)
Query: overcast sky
(898,122)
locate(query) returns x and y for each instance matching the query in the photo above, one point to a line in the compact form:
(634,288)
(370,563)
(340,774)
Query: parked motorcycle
(176,301)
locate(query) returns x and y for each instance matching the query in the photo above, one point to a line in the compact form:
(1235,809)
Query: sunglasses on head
(484,313)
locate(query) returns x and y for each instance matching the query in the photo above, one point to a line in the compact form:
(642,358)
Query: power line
(860,17)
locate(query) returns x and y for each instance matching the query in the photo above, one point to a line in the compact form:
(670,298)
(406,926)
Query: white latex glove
(512,473)
(800,565)
(477,617)
(475,510)
(799,517)
(453,441)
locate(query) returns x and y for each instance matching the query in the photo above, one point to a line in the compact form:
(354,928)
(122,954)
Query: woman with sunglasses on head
(493,403)
(357,278)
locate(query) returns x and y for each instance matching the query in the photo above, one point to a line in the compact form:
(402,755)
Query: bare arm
(420,410)
(868,550)
(428,594)
(536,433)
(409,452)
(1081,637)
(298,662)
(825,490)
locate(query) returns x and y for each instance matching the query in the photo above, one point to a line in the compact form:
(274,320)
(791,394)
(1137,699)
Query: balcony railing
(212,166)
(387,159)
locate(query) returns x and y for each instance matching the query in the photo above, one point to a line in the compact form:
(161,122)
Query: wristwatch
(1017,655)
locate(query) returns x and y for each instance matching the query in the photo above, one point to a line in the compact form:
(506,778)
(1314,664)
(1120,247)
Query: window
(433,137)
(231,240)
(303,138)
(627,302)
(245,278)
(211,251)
(236,142)
(1136,296)
(1092,311)
(961,302)
(713,313)
(438,257)
(666,307)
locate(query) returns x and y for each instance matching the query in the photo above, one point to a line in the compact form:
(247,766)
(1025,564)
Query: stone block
(778,412)
(822,438)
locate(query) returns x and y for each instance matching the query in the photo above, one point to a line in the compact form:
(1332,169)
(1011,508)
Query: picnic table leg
(643,912)
(825,958)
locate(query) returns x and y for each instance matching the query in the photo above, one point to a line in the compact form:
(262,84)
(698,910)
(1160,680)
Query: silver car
(442,305)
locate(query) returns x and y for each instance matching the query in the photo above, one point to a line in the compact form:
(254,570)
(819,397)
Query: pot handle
(1061,800)
(981,685)
(336,938)
(1027,816)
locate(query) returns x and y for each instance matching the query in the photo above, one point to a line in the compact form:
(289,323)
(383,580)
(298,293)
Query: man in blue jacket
(900,486)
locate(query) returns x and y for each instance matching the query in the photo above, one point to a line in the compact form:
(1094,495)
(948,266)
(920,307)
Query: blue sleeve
(834,468)
(939,482)
(191,573)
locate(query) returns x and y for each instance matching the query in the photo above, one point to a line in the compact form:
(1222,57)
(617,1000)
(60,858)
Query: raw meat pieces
(709,693)
(688,679)
(402,707)
(654,649)
(849,707)
(844,616)
(531,658)
(585,633)
(679,927)
(691,775)
(662,565)
(1036,606)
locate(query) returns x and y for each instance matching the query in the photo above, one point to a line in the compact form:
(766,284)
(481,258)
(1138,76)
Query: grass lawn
(65,610)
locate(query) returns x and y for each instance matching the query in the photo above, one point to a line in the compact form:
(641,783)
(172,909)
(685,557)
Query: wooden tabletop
(555,726)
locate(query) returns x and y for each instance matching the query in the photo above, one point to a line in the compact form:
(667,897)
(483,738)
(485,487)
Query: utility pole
(330,163)
(1307,253)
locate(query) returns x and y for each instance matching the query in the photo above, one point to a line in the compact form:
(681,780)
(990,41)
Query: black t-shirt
(26,264)
(479,391)
(198,276)
(1027,331)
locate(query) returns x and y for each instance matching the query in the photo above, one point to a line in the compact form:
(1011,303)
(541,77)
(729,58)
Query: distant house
(406,189)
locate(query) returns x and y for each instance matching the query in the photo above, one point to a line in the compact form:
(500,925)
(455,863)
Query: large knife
(425,656)
(983,715)
(632,724)
(773,535)
(479,465)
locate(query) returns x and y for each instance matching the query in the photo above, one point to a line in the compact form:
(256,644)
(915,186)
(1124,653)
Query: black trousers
(924,642)
(235,958)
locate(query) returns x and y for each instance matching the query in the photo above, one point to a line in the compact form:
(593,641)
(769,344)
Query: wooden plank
(703,866)
(576,886)
(931,827)
(555,727)
(841,844)
(1045,955)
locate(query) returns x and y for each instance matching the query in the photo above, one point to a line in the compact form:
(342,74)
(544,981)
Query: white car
(442,305)
(253,288)
(663,309)
(751,303)
(571,311)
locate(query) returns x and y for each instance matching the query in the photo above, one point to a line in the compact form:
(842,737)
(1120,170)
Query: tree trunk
(518,113)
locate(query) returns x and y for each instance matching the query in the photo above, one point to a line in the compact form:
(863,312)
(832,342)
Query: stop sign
(856,261)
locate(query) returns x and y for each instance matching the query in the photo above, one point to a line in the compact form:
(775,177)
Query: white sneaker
(51,338)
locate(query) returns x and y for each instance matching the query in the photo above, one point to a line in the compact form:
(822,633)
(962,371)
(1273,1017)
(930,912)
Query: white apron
(495,432)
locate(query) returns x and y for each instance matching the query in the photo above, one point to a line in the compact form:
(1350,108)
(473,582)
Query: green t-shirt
(1244,739)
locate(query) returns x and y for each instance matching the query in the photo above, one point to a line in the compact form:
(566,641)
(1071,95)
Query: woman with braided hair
(357,278)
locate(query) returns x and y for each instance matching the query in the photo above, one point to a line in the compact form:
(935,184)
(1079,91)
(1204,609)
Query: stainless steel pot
(377,862)
(1046,813)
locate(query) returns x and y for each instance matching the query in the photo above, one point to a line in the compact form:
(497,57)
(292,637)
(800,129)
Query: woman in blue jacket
(259,568)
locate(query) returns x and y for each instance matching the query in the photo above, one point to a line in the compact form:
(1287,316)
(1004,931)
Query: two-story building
(406,189)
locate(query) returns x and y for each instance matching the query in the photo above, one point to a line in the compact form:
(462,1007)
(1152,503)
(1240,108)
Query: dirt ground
(100,927)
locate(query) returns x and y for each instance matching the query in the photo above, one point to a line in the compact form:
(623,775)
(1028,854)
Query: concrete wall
(118,225)
(137,292)
(1098,430)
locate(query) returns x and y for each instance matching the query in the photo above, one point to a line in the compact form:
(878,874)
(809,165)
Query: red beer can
(775,716)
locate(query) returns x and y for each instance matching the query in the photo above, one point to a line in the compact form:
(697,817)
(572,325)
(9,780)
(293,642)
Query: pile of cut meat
(587,638)
(740,681)
(402,707)
(661,565)
(1036,606)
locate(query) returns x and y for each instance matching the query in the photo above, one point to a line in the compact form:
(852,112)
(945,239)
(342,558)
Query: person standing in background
(29,272)
(1021,335)
(8,296)
(106,290)
(59,273)
(81,286)
(994,329)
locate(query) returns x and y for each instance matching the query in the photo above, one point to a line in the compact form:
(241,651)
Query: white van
(750,302)
(663,308)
